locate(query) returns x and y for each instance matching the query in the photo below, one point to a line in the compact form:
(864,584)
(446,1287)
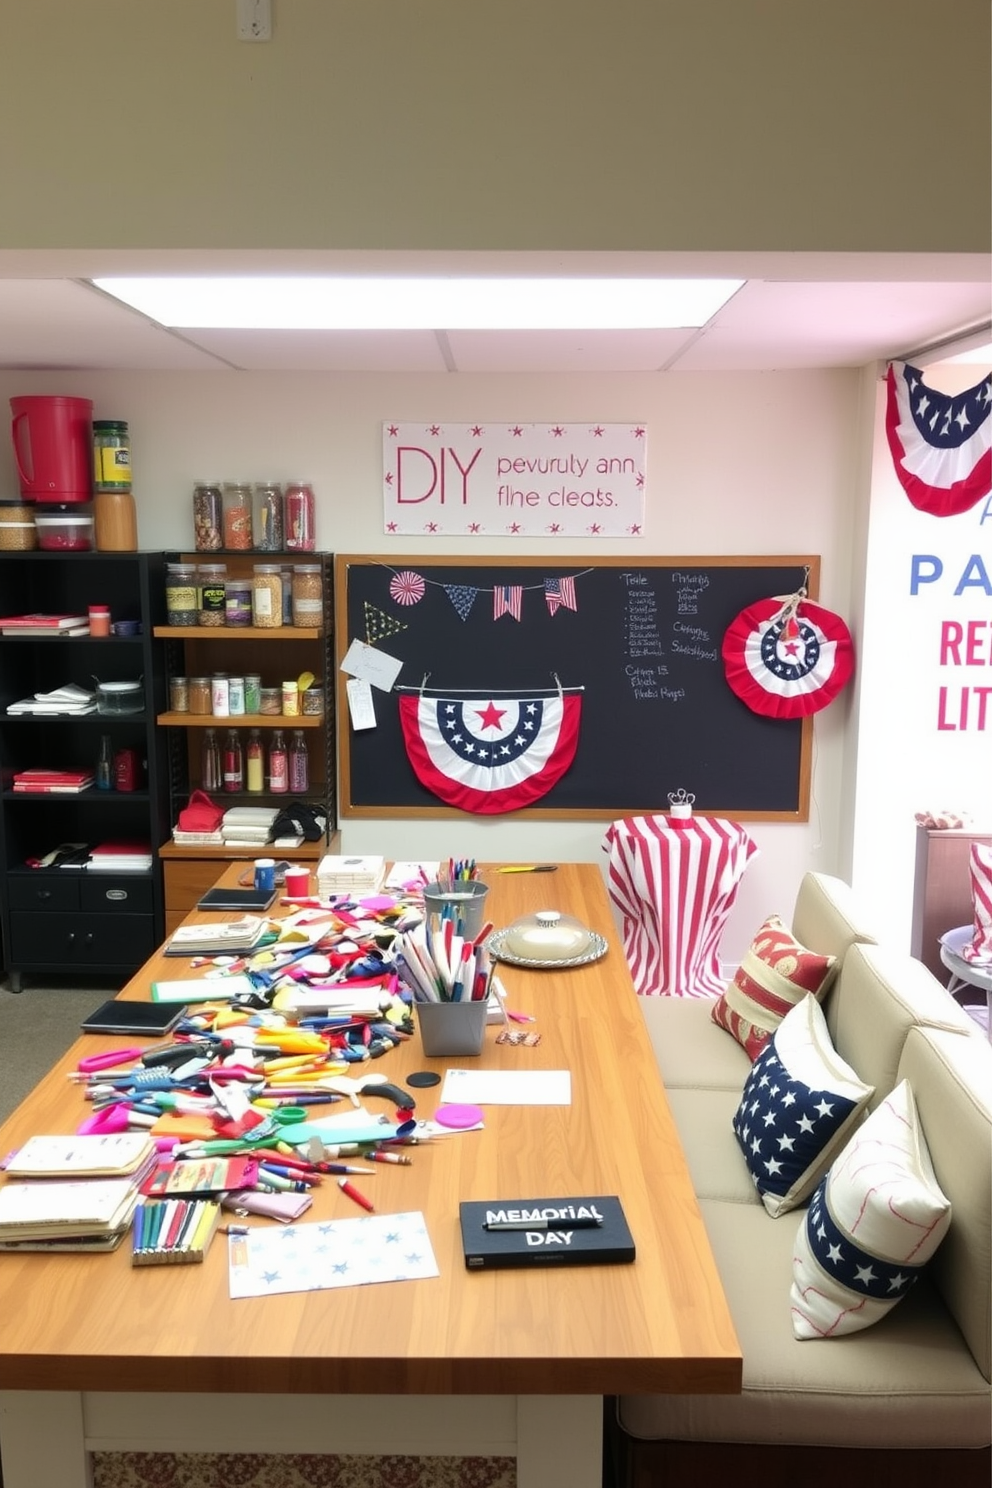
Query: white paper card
(371,665)
(508,1087)
(334,1253)
(360,705)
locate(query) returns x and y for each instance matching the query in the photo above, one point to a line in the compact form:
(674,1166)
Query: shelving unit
(277,654)
(56,920)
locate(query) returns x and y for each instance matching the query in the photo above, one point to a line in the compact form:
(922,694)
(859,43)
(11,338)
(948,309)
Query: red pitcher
(53,447)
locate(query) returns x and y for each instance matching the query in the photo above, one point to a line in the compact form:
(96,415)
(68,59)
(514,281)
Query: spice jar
(300,518)
(208,517)
(211,578)
(266,597)
(199,695)
(312,699)
(308,596)
(270,701)
(179,694)
(237,602)
(237,516)
(111,456)
(253,692)
(291,699)
(266,517)
(180,593)
(220,695)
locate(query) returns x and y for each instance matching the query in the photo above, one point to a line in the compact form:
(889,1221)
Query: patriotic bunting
(507,599)
(490,755)
(379,625)
(462,596)
(559,592)
(407,588)
(787,660)
(941,445)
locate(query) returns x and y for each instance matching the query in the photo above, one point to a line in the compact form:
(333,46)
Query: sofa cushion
(689,1050)
(951,1078)
(909,1382)
(828,916)
(798,1106)
(878,996)
(776,973)
(705,1121)
(873,1224)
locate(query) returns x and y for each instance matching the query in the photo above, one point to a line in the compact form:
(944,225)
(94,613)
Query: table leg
(559,1440)
(41,1439)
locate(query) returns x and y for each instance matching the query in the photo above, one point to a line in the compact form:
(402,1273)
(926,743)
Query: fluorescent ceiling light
(322,304)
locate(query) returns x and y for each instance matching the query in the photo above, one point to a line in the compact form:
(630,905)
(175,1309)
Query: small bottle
(105,764)
(220,695)
(278,764)
(254,763)
(299,763)
(234,771)
(99,618)
(210,771)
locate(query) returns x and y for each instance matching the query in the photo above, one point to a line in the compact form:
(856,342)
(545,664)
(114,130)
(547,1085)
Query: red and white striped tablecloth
(674,882)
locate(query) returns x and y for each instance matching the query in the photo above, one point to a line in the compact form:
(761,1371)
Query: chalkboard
(642,644)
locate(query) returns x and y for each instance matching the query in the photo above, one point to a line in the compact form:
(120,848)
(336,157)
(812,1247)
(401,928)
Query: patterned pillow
(775,974)
(874,1222)
(797,1109)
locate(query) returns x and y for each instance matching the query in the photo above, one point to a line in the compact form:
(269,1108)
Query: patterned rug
(257,1470)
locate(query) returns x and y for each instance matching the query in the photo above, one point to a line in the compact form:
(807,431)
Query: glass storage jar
(211,579)
(267,517)
(237,602)
(266,597)
(199,695)
(300,518)
(308,596)
(208,517)
(111,456)
(270,701)
(180,593)
(237,516)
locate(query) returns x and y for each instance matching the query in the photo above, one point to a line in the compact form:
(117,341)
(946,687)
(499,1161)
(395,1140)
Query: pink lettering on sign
(421,475)
(963,709)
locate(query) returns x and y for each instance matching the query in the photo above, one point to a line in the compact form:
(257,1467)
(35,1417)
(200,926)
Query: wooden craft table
(98,1356)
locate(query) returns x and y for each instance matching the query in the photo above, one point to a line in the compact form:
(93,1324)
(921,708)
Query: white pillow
(797,1108)
(874,1222)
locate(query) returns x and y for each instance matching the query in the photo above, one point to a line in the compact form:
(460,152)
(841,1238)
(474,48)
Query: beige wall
(651,124)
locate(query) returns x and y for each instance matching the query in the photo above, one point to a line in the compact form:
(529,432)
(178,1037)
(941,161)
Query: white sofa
(908,1398)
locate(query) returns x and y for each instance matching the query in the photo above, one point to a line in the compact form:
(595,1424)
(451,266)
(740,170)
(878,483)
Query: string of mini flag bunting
(407,587)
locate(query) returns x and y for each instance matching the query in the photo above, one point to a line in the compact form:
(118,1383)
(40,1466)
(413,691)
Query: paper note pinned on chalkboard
(371,665)
(361,708)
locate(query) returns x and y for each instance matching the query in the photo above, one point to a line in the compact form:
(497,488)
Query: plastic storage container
(111,455)
(181,603)
(300,518)
(308,596)
(211,581)
(266,518)
(17,530)
(208,516)
(237,602)
(266,599)
(65,532)
(237,516)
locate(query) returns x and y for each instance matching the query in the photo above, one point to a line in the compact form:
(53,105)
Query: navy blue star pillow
(799,1105)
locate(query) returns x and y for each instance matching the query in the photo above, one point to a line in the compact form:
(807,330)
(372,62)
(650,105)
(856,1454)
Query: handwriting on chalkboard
(642,640)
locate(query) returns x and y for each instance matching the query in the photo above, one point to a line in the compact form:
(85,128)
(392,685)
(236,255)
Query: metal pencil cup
(452,1027)
(465,901)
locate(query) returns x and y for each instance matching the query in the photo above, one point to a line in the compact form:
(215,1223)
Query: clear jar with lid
(111,456)
(180,593)
(300,521)
(237,602)
(270,701)
(266,596)
(198,693)
(267,517)
(237,516)
(208,517)
(211,579)
(308,596)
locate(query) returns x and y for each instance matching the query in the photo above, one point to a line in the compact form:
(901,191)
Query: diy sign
(513,480)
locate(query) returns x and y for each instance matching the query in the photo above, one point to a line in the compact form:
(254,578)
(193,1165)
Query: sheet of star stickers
(331,1253)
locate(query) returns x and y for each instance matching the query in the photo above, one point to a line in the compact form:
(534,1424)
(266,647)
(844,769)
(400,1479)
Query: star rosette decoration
(787,658)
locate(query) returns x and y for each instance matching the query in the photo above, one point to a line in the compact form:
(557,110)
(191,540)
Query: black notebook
(585,1231)
(152,1019)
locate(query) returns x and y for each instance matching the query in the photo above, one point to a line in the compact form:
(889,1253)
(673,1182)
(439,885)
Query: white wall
(738,463)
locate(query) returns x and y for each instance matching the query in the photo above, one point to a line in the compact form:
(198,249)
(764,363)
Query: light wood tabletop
(661,1324)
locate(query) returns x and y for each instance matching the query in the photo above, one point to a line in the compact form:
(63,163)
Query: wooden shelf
(238,632)
(221,852)
(242,720)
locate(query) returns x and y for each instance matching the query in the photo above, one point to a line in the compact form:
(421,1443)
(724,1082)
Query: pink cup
(297,883)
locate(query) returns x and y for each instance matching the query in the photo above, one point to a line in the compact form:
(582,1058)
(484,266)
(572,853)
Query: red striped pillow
(775,974)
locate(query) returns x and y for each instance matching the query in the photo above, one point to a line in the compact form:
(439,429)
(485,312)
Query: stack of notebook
(217,939)
(247,826)
(73,1193)
(344,875)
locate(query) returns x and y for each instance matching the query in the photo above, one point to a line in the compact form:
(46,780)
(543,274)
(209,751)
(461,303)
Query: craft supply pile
(263,1086)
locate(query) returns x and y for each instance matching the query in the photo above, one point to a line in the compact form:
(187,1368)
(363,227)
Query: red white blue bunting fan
(941,444)
(488,754)
(787,659)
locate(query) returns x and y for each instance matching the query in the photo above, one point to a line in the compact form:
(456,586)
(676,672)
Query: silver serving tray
(494,945)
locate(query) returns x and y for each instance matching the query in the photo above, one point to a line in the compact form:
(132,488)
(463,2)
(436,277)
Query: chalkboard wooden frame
(634,745)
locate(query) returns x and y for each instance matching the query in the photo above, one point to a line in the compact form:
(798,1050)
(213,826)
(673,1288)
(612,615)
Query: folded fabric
(776,973)
(797,1108)
(874,1222)
(200,814)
